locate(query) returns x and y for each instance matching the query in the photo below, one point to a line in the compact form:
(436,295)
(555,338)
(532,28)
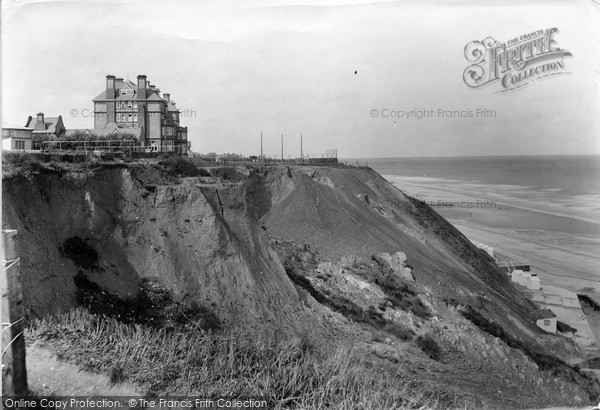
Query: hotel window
(130,104)
(19,144)
(135,117)
(135,105)
(129,118)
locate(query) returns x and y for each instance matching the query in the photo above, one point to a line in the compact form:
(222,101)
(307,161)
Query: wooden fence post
(14,372)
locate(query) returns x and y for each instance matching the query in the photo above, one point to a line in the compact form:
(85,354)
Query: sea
(547,208)
(561,185)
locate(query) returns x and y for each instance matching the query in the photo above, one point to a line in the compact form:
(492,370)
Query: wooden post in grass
(14,373)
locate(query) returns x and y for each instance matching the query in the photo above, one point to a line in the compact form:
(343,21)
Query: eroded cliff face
(286,252)
(200,240)
(204,238)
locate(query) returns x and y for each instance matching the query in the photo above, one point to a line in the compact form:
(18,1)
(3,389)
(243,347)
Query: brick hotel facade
(125,105)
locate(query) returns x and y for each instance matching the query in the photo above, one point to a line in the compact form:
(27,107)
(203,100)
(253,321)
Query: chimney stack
(110,87)
(118,83)
(141,83)
(167,97)
(40,125)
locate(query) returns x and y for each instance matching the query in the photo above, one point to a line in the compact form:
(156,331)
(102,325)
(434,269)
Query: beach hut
(524,278)
(546,319)
(533,282)
(516,275)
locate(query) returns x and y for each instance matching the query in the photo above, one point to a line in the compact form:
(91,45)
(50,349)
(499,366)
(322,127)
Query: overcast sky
(237,69)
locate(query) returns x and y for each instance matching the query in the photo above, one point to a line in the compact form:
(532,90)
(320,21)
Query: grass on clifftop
(289,374)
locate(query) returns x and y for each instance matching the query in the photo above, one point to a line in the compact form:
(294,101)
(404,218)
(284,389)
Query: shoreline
(563,249)
(431,193)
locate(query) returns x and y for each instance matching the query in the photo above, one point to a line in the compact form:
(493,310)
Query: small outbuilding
(524,278)
(16,138)
(515,276)
(533,282)
(545,319)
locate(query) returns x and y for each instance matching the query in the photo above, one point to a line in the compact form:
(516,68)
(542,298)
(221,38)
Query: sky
(334,71)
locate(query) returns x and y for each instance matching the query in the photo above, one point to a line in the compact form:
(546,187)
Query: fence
(111,146)
(14,373)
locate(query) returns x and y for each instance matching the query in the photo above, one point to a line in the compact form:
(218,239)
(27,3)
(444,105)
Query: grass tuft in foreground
(291,374)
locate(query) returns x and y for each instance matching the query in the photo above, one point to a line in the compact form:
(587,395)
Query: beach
(550,218)
(562,249)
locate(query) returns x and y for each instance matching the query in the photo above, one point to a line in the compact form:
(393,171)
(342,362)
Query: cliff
(287,251)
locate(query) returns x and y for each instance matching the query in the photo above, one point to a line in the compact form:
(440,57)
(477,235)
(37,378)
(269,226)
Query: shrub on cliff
(182,167)
(429,346)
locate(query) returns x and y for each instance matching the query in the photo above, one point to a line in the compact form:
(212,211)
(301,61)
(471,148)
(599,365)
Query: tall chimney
(118,83)
(141,106)
(141,83)
(40,124)
(110,87)
(167,97)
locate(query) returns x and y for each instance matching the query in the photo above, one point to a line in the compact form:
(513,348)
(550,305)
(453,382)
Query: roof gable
(543,314)
(101,96)
(154,97)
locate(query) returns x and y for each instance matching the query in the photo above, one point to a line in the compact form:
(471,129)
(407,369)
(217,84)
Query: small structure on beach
(533,282)
(524,278)
(515,275)
(545,319)
(519,269)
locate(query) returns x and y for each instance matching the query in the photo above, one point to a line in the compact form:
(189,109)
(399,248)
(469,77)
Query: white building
(524,278)
(16,138)
(545,319)
(533,282)
(516,275)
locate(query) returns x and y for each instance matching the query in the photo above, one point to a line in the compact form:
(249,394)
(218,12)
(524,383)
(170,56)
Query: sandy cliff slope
(289,251)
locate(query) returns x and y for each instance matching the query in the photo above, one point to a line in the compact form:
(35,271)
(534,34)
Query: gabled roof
(172,106)
(49,124)
(101,96)
(543,314)
(127,97)
(151,94)
(154,97)
(128,84)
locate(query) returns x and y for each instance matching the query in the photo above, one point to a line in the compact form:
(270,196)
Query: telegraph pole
(301,156)
(261,149)
(281,147)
